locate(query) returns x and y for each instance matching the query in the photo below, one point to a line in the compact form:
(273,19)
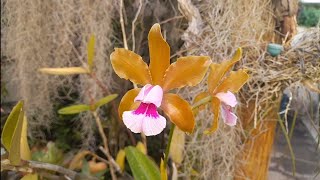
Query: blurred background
(278,134)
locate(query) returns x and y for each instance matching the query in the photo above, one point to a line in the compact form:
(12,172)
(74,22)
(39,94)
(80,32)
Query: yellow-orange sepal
(233,82)
(127,101)
(186,71)
(159,54)
(219,70)
(215,105)
(179,112)
(129,65)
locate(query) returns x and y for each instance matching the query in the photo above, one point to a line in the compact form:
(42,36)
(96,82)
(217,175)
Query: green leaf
(100,174)
(10,125)
(142,167)
(90,49)
(177,146)
(74,109)
(105,100)
(120,159)
(15,149)
(54,155)
(11,134)
(163,170)
(24,146)
(85,167)
(38,156)
(30,177)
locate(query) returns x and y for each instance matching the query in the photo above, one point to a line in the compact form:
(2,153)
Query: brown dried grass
(270,76)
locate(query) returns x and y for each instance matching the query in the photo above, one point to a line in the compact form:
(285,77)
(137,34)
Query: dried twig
(112,161)
(122,26)
(171,19)
(134,26)
(106,147)
(39,167)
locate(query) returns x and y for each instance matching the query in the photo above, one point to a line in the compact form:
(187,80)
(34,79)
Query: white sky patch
(310,1)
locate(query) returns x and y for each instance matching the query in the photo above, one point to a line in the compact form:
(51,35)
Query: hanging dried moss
(217,28)
(54,34)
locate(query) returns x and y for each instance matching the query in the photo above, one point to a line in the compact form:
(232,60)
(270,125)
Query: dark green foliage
(309,16)
(65,134)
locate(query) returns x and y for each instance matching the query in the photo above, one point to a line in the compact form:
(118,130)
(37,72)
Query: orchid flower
(157,80)
(222,89)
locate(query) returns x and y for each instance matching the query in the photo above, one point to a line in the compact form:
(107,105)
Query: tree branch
(35,166)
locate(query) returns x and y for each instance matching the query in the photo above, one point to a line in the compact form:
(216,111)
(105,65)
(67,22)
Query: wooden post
(253,162)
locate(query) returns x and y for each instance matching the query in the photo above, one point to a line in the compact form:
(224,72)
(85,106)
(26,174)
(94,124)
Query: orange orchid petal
(127,102)
(215,105)
(159,54)
(129,65)
(179,111)
(233,82)
(219,70)
(186,71)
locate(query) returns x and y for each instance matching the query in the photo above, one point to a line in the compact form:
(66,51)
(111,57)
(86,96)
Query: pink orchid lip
(143,92)
(227,98)
(147,109)
(144,119)
(228,116)
(150,94)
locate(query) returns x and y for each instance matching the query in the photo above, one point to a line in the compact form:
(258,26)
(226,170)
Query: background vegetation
(309,15)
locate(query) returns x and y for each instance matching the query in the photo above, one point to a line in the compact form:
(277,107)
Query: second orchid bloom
(221,90)
(139,107)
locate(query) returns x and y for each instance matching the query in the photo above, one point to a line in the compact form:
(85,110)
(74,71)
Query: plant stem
(106,151)
(105,91)
(293,158)
(144,141)
(293,123)
(99,83)
(168,145)
(203,101)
